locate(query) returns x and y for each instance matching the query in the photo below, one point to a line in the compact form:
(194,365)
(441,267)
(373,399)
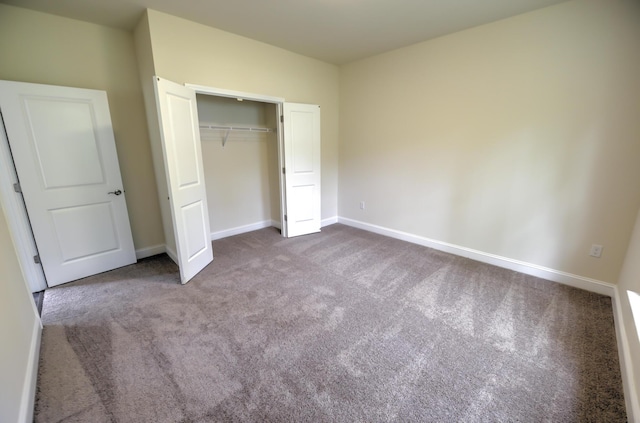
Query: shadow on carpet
(340,326)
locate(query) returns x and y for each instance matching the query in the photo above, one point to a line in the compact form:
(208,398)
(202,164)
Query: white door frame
(17,219)
(278,101)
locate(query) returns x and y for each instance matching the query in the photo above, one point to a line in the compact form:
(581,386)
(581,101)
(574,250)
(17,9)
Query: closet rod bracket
(224,140)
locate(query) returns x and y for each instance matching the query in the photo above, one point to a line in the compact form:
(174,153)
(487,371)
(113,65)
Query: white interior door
(302,168)
(64,150)
(180,135)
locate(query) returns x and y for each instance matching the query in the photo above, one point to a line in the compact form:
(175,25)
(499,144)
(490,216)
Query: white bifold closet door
(302,168)
(184,171)
(64,151)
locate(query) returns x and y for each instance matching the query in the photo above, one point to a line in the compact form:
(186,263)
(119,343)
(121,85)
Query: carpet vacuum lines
(339,326)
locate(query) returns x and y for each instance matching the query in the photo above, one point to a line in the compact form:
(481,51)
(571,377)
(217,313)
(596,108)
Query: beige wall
(519,138)
(187,52)
(47,49)
(146,68)
(17,320)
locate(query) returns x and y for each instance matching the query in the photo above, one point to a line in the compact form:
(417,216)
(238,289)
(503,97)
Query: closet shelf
(229,129)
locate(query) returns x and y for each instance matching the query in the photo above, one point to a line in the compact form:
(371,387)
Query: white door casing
(17,220)
(64,150)
(302,168)
(182,154)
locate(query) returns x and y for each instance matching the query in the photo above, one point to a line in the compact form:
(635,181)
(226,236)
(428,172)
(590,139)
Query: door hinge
(281,118)
(285,217)
(36,259)
(284,171)
(17,187)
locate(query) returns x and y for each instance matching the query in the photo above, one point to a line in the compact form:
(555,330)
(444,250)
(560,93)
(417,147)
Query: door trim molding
(221,92)
(17,220)
(278,101)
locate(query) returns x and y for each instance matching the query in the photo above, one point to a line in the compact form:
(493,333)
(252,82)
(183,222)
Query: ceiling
(335,31)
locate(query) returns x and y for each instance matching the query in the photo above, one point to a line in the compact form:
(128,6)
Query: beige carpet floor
(341,326)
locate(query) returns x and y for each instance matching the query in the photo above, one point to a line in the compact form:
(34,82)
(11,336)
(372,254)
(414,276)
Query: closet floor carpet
(340,326)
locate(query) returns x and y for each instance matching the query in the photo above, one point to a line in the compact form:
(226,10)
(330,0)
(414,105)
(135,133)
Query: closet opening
(230,162)
(240,150)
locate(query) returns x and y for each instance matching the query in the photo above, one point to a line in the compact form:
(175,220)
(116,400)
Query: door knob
(116,192)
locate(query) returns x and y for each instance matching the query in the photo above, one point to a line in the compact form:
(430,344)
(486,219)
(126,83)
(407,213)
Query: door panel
(182,154)
(85,230)
(303,208)
(193,217)
(63,147)
(302,145)
(302,168)
(58,127)
(181,121)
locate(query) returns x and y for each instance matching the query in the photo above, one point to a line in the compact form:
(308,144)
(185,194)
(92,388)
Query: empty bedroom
(320,211)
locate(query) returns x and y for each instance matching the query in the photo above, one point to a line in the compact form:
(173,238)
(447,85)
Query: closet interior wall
(241,176)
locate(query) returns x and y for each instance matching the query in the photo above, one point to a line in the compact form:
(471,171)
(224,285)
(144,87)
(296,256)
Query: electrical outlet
(596,250)
(361,205)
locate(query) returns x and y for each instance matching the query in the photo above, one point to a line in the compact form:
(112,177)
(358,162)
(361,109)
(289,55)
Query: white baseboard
(161,248)
(150,251)
(241,229)
(588,284)
(329,221)
(631,397)
(31,377)
(260,225)
(172,254)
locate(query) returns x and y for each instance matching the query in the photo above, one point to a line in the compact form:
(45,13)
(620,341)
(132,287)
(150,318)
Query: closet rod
(235,128)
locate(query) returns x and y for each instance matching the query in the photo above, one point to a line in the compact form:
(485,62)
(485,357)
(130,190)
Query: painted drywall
(47,49)
(17,320)
(629,284)
(242,175)
(519,138)
(146,69)
(187,52)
